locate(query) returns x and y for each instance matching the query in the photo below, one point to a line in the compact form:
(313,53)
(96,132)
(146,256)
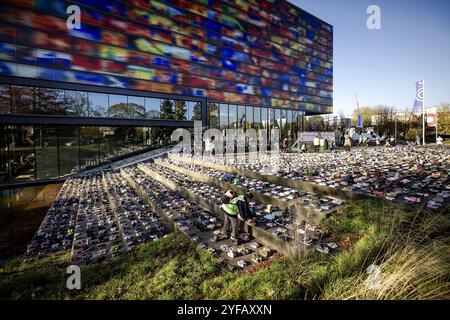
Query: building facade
(75,96)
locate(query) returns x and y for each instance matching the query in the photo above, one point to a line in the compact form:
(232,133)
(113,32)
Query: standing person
(325,144)
(316,143)
(234,211)
(347,143)
(322,144)
(418,140)
(285,144)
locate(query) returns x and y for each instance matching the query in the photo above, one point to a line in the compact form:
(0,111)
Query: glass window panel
(153,108)
(213,111)
(4,157)
(167,109)
(98,104)
(118,107)
(50,102)
(69,151)
(21,153)
(76,103)
(180,110)
(278,118)
(232,116)
(5,98)
(46,152)
(123,137)
(107,141)
(23,99)
(223,116)
(257,117)
(20,144)
(197,109)
(264,118)
(136,108)
(241,116)
(249,117)
(89,147)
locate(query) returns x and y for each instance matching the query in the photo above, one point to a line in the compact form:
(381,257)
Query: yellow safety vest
(232,208)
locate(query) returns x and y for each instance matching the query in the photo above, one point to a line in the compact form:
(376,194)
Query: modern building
(76,96)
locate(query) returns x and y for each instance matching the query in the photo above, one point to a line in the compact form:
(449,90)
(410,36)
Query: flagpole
(423,113)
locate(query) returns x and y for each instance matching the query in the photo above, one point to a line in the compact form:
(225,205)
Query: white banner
(309,136)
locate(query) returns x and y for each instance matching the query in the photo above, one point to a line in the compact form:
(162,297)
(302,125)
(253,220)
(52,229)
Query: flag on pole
(431,117)
(360,121)
(418,103)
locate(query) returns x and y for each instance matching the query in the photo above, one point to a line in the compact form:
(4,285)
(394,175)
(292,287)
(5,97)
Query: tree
(198,111)
(127,111)
(444,119)
(76,103)
(180,110)
(162,134)
(167,109)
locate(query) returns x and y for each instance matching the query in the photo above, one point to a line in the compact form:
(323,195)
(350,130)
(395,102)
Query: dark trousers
(234,226)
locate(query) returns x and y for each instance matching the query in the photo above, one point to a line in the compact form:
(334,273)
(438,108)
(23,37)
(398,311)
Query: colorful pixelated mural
(256,52)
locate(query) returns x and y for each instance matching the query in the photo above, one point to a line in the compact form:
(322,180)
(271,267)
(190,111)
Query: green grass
(411,247)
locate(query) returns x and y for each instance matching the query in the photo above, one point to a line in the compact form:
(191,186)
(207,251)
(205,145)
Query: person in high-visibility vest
(234,211)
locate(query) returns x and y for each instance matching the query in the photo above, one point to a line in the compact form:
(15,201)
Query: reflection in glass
(241,117)
(213,111)
(98,104)
(46,152)
(107,141)
(232,116)
(257,118)
(50,102)
(23,99)
(5,98)
(118,107)
(180,110)
(249,117)
(167,109)
(69,151)
(223,116)
(76,103)
(197,116)
(277,118)
(89,147)
(153,108)
(264,118)
(19,142)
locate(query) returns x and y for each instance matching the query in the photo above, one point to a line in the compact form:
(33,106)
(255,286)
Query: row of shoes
(55,234)
(187,215)
(98,216)
(408,174)
(197,223)
(269,189)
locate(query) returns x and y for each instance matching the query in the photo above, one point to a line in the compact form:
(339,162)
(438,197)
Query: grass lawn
(411,248)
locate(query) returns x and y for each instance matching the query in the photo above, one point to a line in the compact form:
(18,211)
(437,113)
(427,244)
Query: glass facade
(253,52)
(23,100)
(232,116)
(37,152)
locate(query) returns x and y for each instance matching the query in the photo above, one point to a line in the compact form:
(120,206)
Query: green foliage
(180,110)
(127,111)
(409,245)
(198,111)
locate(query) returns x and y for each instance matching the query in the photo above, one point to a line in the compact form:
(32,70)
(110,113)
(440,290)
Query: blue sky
(382,66)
